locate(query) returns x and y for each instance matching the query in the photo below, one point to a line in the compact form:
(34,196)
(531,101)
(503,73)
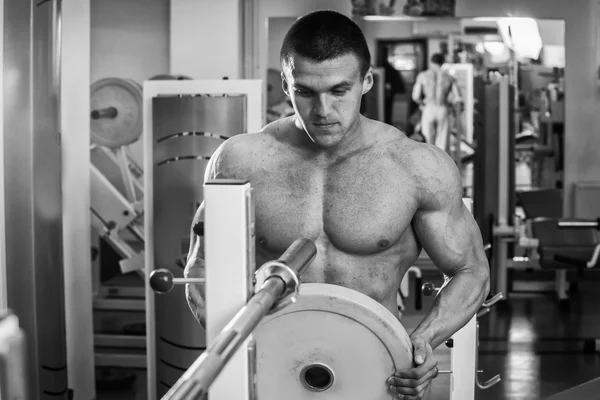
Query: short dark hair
(325,35)
(438,58)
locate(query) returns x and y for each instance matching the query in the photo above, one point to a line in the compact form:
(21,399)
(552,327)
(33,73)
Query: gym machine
(117,196)
(535,232)
(116,211)
(589,390)
(185,121)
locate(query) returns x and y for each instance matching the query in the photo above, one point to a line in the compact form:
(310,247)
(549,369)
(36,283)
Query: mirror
(530,52)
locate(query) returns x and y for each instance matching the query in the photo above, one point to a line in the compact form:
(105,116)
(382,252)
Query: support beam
(229,256)
(3,295)
(75,129)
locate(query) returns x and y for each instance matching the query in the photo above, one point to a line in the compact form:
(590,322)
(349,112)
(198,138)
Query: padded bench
(558,245)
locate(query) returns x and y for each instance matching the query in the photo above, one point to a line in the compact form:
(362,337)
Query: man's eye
(302,92)
(339,92)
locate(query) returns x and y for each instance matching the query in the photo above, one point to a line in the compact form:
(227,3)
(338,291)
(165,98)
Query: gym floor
(536,348)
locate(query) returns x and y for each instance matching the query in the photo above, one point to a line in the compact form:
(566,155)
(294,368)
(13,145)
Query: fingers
(409,389)
(402,382)
(413,382)
(420,350)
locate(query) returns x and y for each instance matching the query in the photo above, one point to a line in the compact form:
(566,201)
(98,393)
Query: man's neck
(353,140)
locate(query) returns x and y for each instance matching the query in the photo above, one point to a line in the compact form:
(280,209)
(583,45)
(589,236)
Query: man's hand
(411,384)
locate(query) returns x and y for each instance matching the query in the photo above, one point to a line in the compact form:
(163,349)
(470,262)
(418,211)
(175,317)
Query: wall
(289,8)
(552,33)
(582,94)
(278,27)
(206,38)
(129,39)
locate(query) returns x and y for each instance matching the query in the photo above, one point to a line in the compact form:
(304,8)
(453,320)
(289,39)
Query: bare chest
(362,206)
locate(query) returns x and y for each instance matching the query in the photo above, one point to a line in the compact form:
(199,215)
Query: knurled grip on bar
(288,268)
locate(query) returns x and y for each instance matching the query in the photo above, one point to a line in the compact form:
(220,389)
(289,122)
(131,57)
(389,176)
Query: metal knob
(162,281)
(429,289)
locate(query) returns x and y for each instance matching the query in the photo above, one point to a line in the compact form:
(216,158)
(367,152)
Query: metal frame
(229,251)
(3,295)
(254,114)
(463,362)
(502,227)
(75,131)
(463,354)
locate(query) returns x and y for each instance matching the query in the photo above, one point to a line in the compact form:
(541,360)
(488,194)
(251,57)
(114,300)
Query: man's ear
(367,81)
(284,85)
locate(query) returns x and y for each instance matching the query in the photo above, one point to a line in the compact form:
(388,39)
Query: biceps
(451,238)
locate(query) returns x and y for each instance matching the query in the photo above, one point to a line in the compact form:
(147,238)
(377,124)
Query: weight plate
(124,96)
(333,343)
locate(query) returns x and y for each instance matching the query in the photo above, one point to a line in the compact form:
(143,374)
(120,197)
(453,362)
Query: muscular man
(369,197)
(435,91)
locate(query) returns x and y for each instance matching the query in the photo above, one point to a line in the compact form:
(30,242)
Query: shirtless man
(437,93)
(369,197)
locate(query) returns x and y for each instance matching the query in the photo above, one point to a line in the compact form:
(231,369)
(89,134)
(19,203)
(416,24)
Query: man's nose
(322,105)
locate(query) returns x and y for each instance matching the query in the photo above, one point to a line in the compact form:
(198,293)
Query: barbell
(314,341)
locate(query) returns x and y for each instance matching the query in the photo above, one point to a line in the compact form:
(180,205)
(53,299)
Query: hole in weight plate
(317,377)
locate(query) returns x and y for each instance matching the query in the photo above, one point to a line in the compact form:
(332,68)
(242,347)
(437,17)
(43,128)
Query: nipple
(383,244)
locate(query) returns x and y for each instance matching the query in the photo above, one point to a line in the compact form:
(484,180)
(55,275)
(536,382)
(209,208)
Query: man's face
(326,95)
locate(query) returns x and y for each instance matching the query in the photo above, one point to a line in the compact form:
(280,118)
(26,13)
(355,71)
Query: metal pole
(194,383)
(579,224)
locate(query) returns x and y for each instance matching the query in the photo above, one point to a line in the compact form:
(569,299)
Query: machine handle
(493,300)
(162,281)
(489,383)
(429,289)
(299,255)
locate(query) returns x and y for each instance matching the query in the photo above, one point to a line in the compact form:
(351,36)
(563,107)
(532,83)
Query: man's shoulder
(436,175)
(245,143)
(246,146)
(428,166)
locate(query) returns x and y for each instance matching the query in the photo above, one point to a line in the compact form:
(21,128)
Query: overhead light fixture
(392,18)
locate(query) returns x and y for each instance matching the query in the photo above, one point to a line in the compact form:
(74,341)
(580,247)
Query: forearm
(456,303)
(195,293)
(195,297)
